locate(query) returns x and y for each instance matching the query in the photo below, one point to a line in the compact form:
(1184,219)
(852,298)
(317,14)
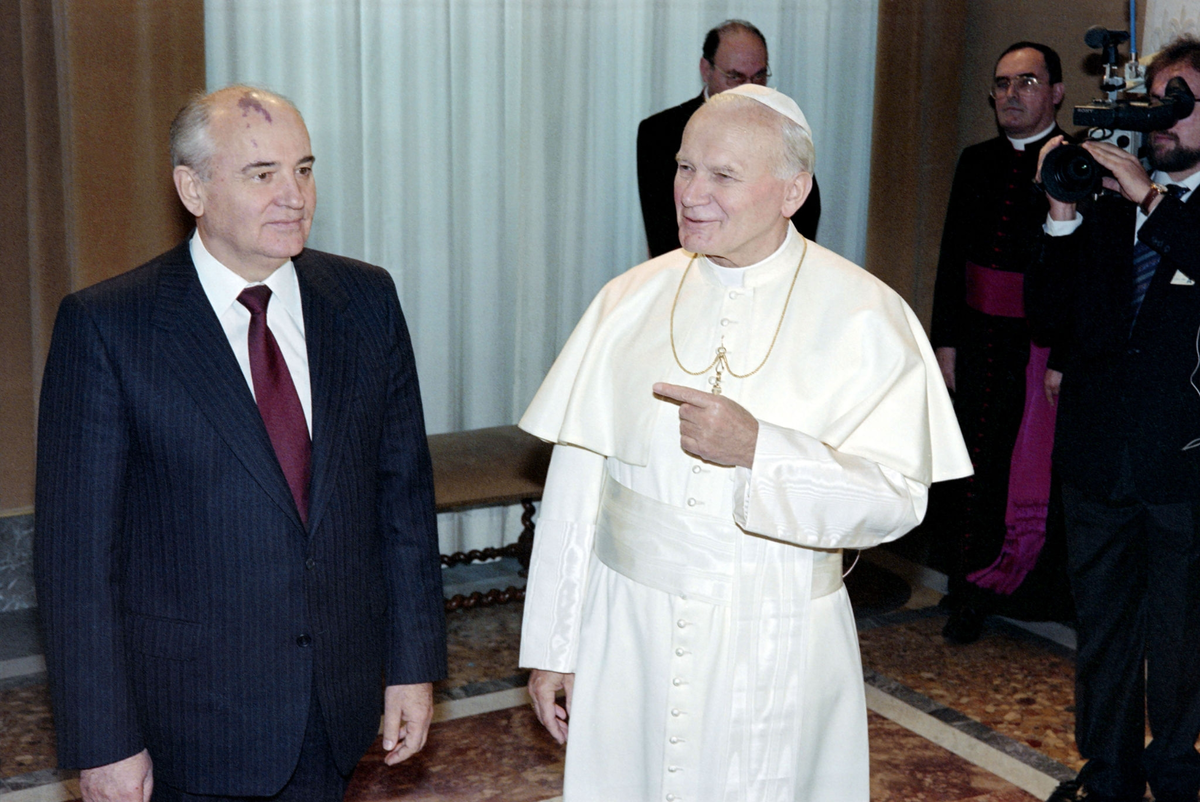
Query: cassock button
(678,653)
(304,640)
(695,469)
(310,563)
(681,623)
(691,502)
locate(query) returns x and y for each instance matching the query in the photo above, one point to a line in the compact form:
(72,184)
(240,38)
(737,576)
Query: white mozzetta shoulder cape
(852,366)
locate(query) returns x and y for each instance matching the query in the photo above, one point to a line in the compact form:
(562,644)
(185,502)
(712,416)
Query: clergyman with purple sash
(995,522)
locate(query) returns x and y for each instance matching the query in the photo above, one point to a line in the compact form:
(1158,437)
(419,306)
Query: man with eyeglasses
(997,518)
(735,53)
(1118,277)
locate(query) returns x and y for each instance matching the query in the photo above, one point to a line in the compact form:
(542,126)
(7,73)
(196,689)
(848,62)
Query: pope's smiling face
(730,202)
(254,208)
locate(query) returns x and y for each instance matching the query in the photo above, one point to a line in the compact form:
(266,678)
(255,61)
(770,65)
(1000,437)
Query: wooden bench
(486,468)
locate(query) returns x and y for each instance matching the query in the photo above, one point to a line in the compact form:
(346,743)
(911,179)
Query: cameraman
(982,343)
(1117,280)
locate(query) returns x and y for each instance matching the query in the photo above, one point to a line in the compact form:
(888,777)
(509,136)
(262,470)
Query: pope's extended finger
(685,395)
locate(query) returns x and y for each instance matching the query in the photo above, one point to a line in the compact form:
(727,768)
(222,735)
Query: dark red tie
(278,401)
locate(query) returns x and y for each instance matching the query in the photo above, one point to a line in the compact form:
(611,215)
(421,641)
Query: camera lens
(1069,173)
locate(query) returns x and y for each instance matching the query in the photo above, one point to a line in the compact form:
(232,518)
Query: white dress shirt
(285,317)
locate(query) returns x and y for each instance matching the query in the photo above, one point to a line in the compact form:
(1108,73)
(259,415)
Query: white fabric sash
(768,586)
(682,552)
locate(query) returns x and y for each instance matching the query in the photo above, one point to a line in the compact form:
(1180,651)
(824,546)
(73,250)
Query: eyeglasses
(737,79)
(1022,84)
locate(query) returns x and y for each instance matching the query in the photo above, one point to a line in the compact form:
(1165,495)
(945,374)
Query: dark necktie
(278,401)
(1146,259)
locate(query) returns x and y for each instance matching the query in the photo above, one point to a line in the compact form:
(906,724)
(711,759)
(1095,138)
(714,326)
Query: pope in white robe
(728,417)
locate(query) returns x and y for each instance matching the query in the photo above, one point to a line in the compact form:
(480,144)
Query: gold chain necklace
(721,361)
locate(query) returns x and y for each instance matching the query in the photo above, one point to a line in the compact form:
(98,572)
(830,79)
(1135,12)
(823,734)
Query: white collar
(736,276)
(222,286)
(1020,144)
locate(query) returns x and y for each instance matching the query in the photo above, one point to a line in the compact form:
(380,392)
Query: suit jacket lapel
(331,365)
(198,352)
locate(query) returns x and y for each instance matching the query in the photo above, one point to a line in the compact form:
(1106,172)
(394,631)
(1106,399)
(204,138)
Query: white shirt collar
(1191,182)
(736,276)
(1020,144)
(222,286)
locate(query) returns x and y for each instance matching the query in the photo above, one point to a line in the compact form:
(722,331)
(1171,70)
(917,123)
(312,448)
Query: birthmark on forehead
(248,103)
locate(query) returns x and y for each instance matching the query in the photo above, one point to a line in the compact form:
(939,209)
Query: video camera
(1069,173)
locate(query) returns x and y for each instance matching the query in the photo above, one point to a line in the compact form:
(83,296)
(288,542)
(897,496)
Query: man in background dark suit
(1118,279)
(735,53)
(223,595)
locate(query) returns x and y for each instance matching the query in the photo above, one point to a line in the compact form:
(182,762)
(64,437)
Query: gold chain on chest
(721,360)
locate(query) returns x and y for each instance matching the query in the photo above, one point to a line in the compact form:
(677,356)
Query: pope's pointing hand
(712,427)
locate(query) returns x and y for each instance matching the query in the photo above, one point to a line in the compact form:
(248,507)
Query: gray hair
(796,153)
(191,141)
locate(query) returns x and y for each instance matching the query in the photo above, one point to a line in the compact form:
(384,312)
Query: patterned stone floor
(26,731)
(1010,689)
(1014,685)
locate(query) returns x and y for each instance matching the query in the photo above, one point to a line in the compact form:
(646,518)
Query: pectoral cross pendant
(721,361)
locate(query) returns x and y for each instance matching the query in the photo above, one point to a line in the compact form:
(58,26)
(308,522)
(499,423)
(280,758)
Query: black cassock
(992,229)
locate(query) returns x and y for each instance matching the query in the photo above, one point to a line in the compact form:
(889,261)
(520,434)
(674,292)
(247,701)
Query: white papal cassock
(701,607)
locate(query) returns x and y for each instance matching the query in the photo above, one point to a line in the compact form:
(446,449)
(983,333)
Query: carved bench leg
(525,541)
(477,599)
(522,550)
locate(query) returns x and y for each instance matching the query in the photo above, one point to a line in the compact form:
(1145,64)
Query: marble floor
(988,722)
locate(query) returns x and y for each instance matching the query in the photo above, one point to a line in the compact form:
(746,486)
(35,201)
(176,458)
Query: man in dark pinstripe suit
(222,610)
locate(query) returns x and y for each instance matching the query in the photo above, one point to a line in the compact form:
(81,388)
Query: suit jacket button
(303,640)
(309,563)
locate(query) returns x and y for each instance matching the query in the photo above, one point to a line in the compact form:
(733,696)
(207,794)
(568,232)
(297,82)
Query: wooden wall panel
(88,91)
(33,265)
(914,139)
(120,91)
(16,365)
